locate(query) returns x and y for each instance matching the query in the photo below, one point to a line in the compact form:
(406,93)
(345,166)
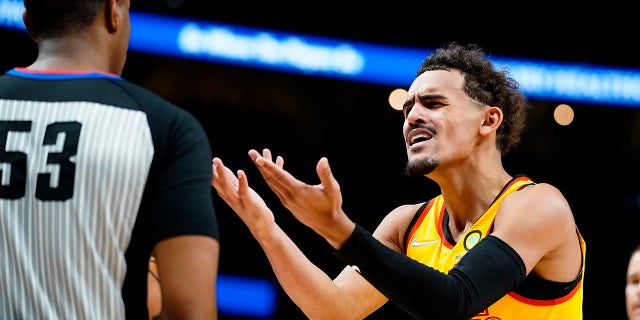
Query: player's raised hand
(244,201)
(316,206)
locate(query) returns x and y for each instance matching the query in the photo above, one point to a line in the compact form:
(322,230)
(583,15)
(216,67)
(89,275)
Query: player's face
(632,290)
(441,121)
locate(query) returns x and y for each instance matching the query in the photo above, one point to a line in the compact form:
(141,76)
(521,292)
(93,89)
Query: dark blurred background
(593,161)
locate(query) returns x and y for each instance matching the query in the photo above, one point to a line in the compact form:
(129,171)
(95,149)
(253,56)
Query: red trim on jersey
(444,241)
(550,302)
(521,178)
(418,222)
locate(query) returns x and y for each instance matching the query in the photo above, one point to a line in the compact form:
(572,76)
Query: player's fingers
(266,153)
(221,172)
(253,154)
(280,162)
(243,184)
(330,184)
(281,182)
(220,181)
(214,171)
(224,181)
(218,172)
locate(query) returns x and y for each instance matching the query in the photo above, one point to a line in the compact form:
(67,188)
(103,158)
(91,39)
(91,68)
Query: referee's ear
(115,14)
(26,19)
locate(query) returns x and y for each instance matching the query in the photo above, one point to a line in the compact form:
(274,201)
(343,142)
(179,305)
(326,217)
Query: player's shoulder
(391,230)
(538,192)
(540,201)
(406,209)
(400,217)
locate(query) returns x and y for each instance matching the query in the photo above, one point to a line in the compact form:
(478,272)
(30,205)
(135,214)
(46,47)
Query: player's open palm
(317,206)
(244,201)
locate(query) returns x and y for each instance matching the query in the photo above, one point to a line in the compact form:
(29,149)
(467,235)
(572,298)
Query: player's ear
(492,119)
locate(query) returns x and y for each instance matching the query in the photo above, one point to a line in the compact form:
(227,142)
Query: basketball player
(96,174)
(632,290)
(492,245)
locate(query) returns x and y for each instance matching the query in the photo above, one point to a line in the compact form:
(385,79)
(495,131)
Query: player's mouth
(418,135)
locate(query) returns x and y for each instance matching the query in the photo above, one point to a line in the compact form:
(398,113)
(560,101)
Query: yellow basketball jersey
(427,242)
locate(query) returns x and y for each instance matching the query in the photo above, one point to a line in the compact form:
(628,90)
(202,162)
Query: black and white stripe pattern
(85,236)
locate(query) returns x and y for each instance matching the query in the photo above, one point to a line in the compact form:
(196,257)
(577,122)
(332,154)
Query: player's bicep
(534,222)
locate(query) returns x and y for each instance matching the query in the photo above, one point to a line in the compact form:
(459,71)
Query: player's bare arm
(523,217)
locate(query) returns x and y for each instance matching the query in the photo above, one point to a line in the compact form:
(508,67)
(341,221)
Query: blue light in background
(365,62)
(11,14)
(348,60)
(246,296)
(575,82)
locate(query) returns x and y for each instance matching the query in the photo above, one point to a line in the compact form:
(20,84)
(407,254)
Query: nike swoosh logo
(415,243)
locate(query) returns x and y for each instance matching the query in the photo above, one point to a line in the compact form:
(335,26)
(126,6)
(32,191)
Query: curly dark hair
(485,84)
(50,18)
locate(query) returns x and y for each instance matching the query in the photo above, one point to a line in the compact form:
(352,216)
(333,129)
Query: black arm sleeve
(485,274)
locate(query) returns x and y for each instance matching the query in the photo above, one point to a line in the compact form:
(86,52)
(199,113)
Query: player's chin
(421,165)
